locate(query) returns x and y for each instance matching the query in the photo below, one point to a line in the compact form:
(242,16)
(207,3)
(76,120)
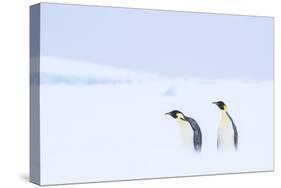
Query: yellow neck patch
(225,107)
(179,115)
(180,119)
(224,118)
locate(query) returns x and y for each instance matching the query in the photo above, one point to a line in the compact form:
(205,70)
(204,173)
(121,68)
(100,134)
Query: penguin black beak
(214,103)
(168,113)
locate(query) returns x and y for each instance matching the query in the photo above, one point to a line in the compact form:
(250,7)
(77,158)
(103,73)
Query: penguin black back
(197,135)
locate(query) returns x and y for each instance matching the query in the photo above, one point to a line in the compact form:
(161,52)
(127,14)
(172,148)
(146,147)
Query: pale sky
(169,43)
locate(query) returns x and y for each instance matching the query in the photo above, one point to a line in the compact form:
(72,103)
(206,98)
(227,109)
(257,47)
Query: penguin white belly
(186,134)
(226,136)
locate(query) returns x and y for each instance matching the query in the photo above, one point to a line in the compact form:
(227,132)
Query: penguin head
(176,114)
(221,105)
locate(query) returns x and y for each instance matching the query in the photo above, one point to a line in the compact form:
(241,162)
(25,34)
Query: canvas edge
(156,9)
(34,80)
(158,178)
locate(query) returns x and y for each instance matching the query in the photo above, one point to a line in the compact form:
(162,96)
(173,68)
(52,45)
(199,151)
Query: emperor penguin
(189,128)
(227,132)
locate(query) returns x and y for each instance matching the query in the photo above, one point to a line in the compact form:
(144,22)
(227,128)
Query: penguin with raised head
(189,128)
(227,132)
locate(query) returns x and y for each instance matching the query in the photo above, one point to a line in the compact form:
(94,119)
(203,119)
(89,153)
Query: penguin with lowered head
(189,128)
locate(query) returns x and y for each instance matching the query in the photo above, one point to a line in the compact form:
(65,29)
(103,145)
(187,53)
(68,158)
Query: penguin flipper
(236,138)
(197,140)
(197,135)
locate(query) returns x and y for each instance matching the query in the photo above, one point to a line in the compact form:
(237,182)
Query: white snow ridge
(62,71)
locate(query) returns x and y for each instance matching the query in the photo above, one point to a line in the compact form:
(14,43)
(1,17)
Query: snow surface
(118,130)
